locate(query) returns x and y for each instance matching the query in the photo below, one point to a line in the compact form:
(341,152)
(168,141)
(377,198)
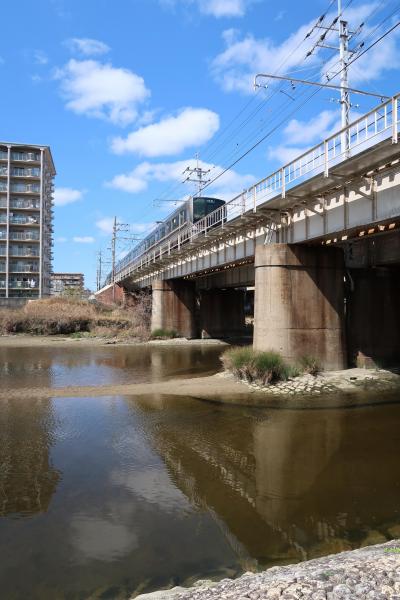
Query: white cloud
(128,182)
(100,90)
(235,67)
(215,8)
(244,56)
(279,16)
(284,154)
(86,239)
(61,240)
(299,135)
(227,186)
(105,224)
(65,195)
(87,46)
(40,57)
(317,128)
(171,135)
(223,8)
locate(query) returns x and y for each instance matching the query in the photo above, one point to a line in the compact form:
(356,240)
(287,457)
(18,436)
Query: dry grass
(68,316)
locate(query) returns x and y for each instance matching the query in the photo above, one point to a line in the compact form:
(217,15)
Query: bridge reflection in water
(283,485)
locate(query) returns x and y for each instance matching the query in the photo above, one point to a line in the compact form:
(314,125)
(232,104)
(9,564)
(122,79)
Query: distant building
(67,283)
(26,220)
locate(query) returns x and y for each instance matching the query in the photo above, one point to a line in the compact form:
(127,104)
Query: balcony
(23,253)
(25,236)
(2,283)
(23,172)
(25,283)
(24,268)
(3,155)
(2,267)
(3,170)
(24,204)
(25,156)
(24,220)
(25,188)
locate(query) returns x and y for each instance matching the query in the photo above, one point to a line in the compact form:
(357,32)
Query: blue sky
(127,92)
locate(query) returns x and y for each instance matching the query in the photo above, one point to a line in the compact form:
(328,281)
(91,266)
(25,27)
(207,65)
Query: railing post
(254,199)
(169,247)
(394,121)
(326,159)
(283,182)
(179,241)
(243,202)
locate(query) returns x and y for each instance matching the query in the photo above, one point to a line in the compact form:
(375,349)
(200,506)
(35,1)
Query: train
(189,212)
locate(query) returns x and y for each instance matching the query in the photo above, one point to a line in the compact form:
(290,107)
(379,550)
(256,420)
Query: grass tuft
(161,333)
(310,364)
(264,367)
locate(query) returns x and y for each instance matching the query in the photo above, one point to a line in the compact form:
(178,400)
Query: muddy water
(105,497)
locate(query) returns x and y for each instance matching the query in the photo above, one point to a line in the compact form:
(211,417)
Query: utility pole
(99,276)
(199,175)
(344,59)
(116,228)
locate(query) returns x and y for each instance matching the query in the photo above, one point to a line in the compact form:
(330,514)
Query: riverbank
(331,389)
(368,573)
(28,341)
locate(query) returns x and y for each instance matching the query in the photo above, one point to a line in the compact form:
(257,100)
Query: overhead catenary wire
(307,100)
(271,131)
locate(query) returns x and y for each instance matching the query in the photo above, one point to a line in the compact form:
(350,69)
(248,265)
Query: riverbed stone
(370,573)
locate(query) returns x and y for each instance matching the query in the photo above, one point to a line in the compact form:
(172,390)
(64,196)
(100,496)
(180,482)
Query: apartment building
(67,283)
(26,220)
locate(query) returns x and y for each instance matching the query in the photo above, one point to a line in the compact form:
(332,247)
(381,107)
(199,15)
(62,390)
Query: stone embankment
(371,573)
(347,381)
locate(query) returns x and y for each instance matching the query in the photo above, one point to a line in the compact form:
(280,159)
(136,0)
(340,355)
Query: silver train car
(191,211)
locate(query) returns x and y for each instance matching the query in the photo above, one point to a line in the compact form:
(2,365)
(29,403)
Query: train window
(174,223)
(182,216)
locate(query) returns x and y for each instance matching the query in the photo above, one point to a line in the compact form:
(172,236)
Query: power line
(307,100)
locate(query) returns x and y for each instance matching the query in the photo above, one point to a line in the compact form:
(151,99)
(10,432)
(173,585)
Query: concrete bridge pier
(299,302)
(173,306)
(222,313)
(373,316)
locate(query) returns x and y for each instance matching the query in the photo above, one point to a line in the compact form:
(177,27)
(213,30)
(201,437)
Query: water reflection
(102,497)
(287,484)
(102,365)
(28,479)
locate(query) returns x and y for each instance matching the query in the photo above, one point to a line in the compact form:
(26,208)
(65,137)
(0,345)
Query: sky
(127,93)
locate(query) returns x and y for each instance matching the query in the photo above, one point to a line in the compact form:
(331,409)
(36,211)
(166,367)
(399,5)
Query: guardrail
(379,124)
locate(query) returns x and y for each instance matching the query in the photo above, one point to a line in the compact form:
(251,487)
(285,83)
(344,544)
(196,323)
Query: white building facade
(26,220)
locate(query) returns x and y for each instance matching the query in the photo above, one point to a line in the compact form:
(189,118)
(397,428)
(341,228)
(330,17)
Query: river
(104,497)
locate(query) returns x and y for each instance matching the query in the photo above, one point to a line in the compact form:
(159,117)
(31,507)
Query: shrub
(164,333)
(249,364)
(64,316)
(310,364)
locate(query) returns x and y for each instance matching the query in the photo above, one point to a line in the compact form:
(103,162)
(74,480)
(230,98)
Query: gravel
(371,573)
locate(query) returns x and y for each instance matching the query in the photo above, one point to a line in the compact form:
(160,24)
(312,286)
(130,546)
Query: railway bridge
(318,241)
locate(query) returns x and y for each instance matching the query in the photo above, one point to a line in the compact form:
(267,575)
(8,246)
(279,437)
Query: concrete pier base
(373,316)
(299,302)
(222,313)
(173,306)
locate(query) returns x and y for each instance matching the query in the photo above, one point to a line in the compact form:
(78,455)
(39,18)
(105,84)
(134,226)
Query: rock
(394,531)
(330,546)
(374,537)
